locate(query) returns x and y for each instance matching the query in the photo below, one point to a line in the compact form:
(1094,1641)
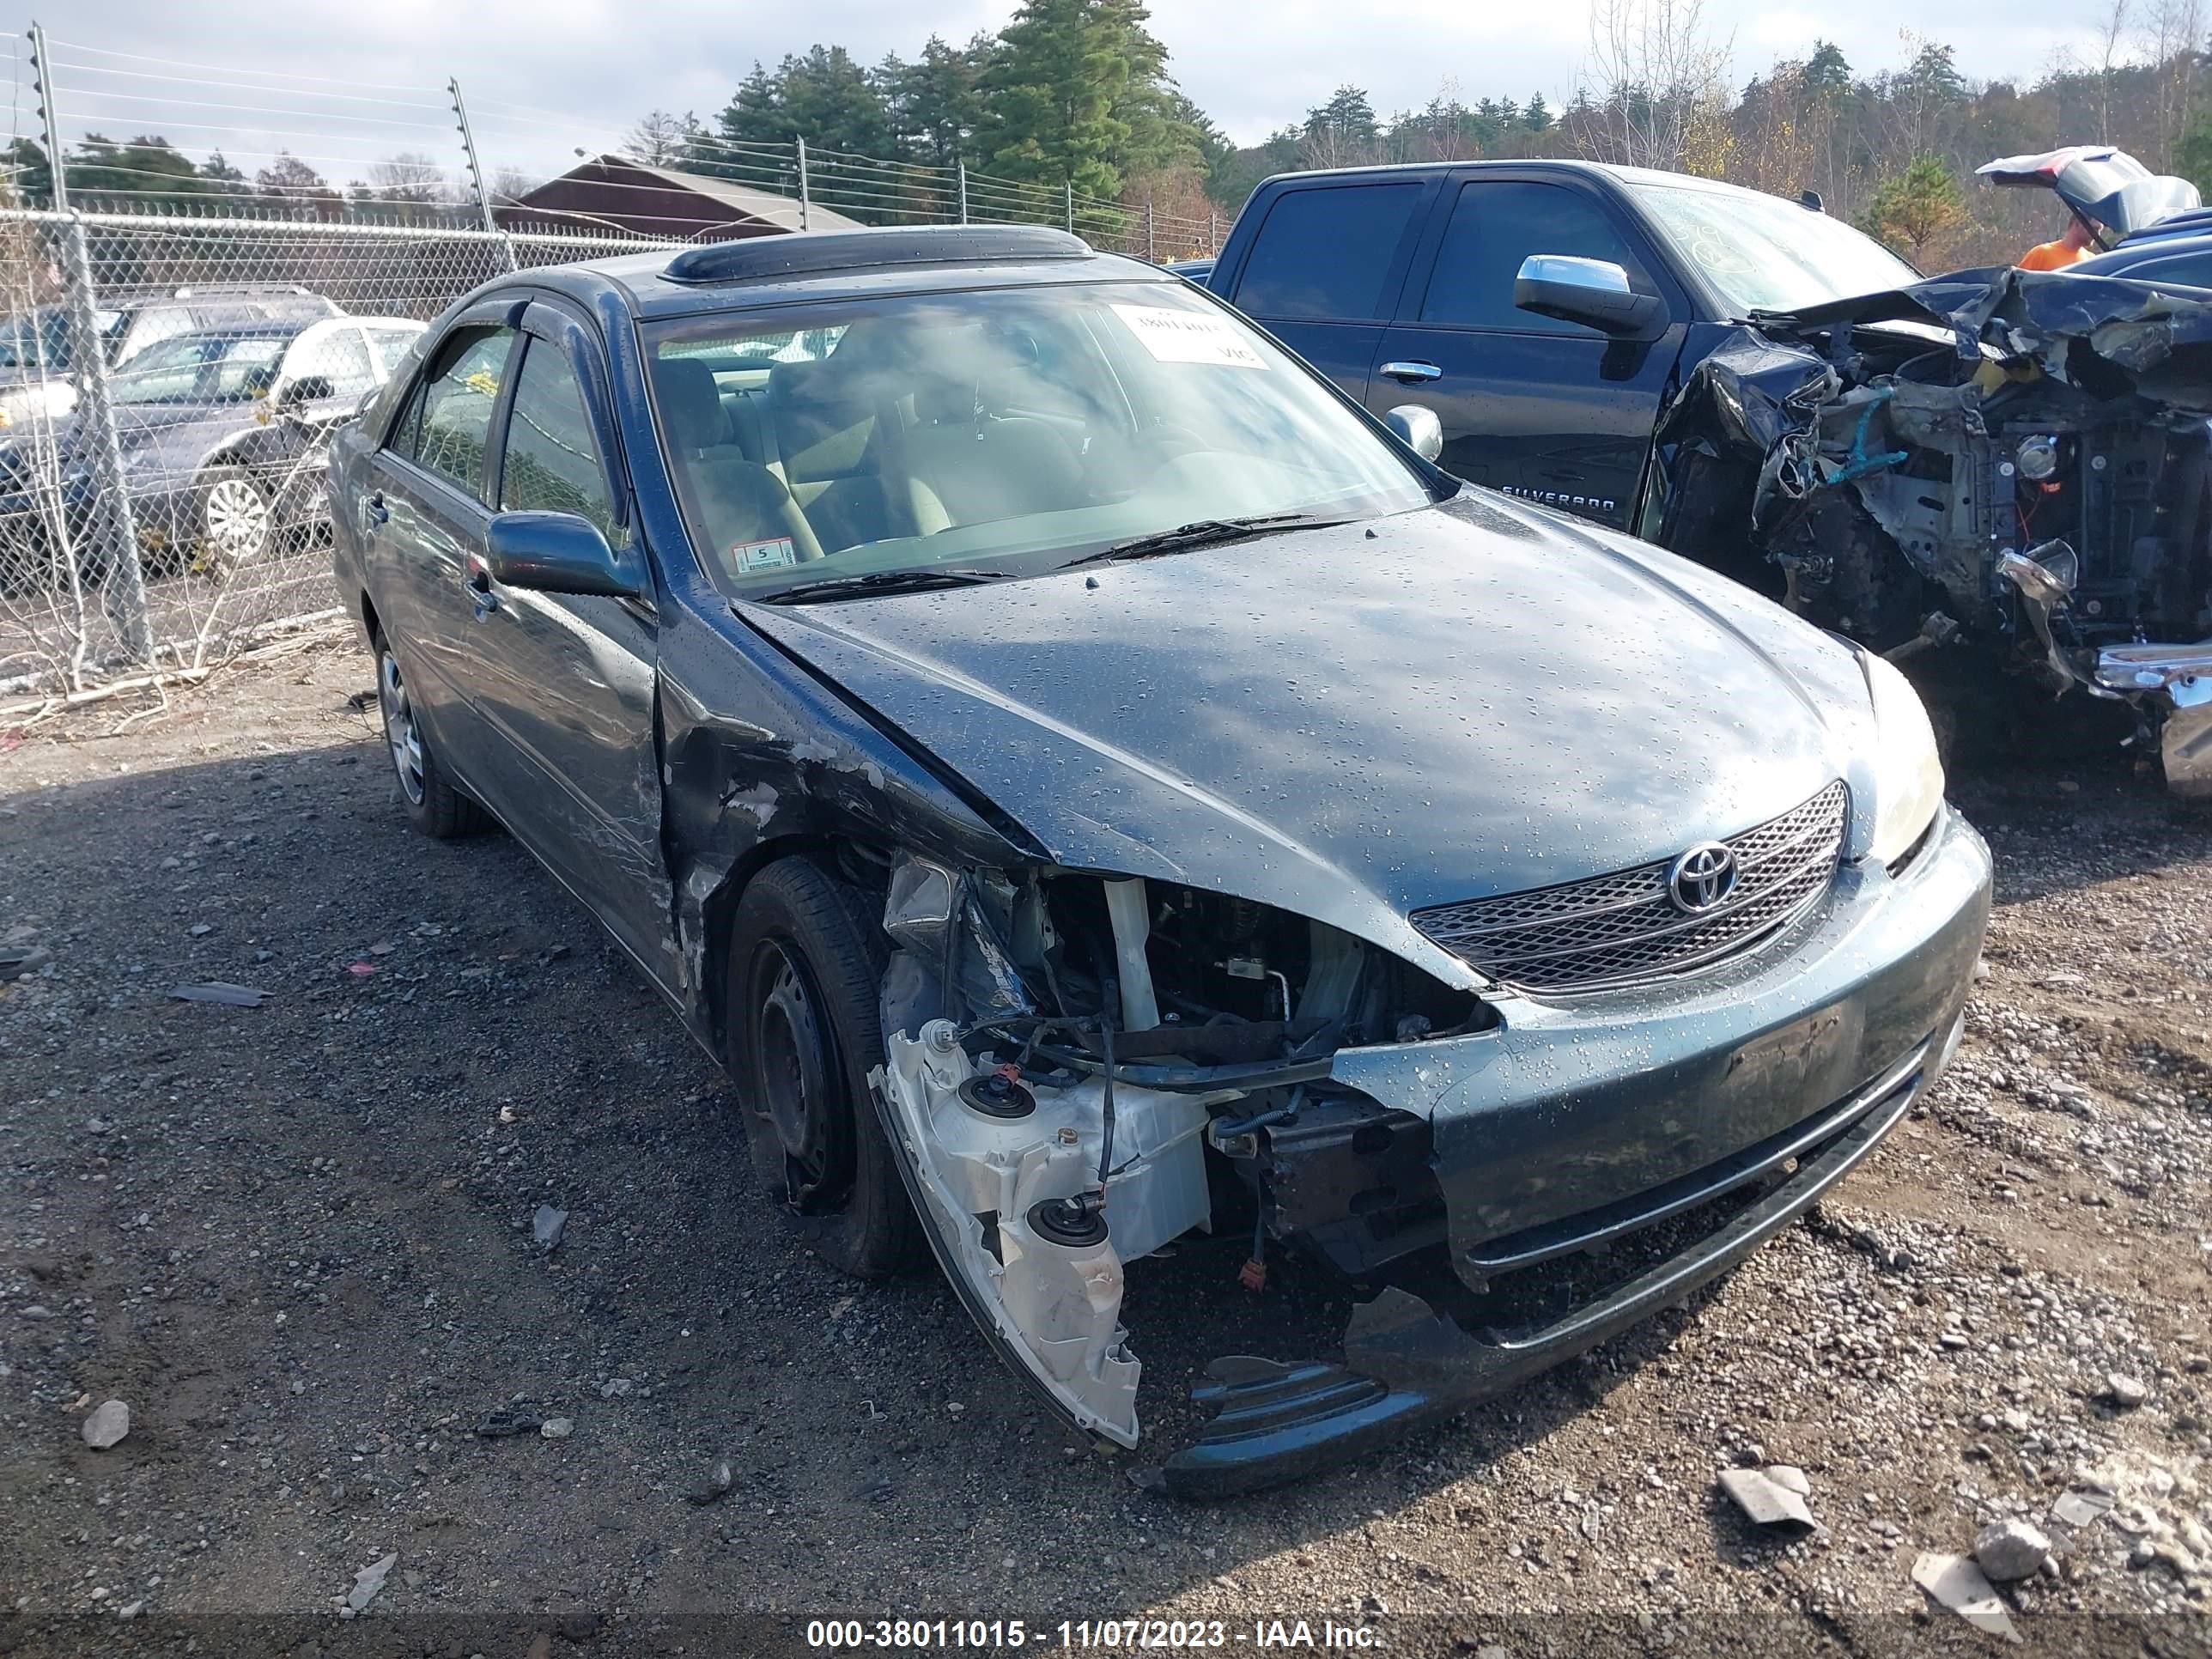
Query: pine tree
(1068,84)
(1917,209)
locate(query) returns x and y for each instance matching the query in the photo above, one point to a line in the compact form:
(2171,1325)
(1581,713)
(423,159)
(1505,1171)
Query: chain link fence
(168,390)
(168,385)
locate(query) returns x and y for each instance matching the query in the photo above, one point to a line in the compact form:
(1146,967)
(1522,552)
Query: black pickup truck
(1399,283)
(2013,462)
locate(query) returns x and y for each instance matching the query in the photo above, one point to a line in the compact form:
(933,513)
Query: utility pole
(805,204)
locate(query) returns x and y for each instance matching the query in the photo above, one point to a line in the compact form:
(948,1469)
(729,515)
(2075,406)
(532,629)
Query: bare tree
(409,176)
(662,138)
(2169,38)
(1658,70)
(2111,30)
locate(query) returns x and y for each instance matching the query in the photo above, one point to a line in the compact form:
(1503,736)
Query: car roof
(2133,255)
(762,271)
(268,329)
(1625,175)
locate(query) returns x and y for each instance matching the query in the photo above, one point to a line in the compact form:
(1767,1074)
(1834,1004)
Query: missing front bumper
(1405,1364)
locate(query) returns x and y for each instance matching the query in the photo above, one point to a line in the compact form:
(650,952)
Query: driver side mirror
(307,389)
(1593,292)
(558,553)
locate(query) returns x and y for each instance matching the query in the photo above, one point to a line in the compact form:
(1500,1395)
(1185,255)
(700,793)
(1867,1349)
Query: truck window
(1497,223)
(2190,269)
(1323,253)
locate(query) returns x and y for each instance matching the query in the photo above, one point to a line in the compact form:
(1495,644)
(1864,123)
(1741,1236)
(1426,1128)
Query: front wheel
(805,1031)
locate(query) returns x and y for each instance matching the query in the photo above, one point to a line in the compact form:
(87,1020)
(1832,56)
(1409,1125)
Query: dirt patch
(294,1238)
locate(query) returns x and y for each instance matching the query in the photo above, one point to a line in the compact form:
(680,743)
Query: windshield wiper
(883,582)
(1203,532)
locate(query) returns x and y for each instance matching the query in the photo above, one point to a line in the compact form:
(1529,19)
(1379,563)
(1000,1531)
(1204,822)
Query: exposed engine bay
(2013,462)
(1085,1069)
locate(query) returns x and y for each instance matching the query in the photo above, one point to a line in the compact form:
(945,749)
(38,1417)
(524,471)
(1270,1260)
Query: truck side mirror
(1593,292)
(1418,428)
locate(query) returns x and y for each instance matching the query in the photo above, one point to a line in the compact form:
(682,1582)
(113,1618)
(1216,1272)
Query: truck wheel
(1874,594)
(804,1030)
(432,804)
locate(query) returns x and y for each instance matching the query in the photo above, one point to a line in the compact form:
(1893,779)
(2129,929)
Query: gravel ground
(295,1240)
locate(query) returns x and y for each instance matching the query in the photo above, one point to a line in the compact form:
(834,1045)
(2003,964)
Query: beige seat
(983,467)
(828,419)
(746,510)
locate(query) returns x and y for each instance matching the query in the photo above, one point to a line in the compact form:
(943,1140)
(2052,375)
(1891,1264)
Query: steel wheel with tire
(432,804)
(804,1030)
(235,516)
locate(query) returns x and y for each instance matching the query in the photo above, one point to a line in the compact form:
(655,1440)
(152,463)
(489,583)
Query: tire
(233,517)
(804,1030)
(432,803)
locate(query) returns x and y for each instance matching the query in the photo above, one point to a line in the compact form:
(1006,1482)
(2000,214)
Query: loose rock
(556,1428)
(547,1225)
(2126,1392)
(719,1478)
(107,1425)
(2010,1550)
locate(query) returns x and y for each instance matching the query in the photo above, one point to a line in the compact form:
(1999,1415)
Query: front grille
(1619,928)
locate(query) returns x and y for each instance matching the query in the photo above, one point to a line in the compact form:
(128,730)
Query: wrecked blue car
(1091,783)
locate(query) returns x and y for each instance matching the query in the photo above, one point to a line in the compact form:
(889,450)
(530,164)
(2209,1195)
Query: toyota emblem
(1701,877)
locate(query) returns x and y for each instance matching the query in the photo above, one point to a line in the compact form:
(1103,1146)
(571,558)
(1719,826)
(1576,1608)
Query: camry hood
(1358,721)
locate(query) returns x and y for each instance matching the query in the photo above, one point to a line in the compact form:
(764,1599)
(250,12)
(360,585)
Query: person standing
(2076,242)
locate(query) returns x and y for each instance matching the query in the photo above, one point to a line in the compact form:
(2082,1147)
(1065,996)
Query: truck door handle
(1412,374)
(378,512)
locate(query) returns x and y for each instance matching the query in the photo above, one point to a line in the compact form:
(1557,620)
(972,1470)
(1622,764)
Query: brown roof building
(616,193)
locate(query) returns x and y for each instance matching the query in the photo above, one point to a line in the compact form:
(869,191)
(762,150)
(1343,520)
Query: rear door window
(1495,225)
(1325,254)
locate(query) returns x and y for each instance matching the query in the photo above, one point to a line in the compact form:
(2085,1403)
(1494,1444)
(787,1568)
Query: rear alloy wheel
(804,1033)
(432,804)
(234,518)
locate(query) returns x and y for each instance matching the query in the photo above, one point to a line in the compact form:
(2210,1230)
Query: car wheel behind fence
(234,518)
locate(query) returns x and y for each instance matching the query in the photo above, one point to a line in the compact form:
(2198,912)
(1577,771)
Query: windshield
(1763,253)
(1011,430)
(41,336)
(200,368)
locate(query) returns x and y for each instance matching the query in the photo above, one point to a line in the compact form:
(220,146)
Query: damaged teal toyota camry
(1089,781)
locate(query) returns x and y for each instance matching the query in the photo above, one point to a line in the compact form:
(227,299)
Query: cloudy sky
(543,76)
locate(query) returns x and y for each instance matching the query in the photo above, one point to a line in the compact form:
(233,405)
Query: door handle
(1412,374)
(378,512)
(476,576)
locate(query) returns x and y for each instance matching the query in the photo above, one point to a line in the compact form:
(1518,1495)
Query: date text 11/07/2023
(1004,1634)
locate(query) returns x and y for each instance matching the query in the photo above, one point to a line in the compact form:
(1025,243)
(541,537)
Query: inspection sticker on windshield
(1188,336)
(763,556)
